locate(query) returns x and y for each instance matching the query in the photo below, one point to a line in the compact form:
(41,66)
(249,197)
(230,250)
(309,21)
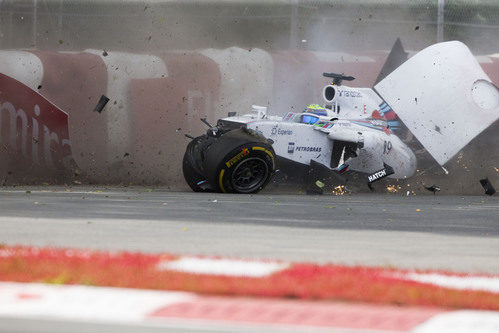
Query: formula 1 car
(441,95)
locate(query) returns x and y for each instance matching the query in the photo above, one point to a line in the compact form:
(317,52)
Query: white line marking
(226,267)
(82,302)
(461,322)
(490,284)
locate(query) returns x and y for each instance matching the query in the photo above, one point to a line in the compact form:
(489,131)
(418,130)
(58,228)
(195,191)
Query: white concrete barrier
(205,83)
(122,68)
(246,78)
(23,66)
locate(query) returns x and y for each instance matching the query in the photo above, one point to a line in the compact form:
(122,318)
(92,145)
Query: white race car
(441,95)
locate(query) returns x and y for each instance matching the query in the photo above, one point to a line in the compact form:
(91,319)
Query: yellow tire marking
(220,180)
(268,152)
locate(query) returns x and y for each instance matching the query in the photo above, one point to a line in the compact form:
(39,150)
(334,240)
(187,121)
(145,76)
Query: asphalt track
(427,232)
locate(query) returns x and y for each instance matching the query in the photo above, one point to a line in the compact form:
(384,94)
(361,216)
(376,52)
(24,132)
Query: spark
(393,188)
(339,190)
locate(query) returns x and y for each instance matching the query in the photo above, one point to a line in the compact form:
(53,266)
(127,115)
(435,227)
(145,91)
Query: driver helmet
(316,109)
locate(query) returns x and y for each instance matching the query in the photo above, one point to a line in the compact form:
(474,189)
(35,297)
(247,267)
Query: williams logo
(291,148)
(279,131)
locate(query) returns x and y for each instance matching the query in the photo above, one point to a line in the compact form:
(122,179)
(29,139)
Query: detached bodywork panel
(443,96)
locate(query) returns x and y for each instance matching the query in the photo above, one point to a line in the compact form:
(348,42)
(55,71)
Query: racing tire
(240,161)
(192,174)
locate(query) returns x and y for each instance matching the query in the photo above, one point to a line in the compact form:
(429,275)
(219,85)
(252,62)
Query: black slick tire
(240,161)
(190,166)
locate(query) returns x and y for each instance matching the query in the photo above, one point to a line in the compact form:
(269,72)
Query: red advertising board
(33,131)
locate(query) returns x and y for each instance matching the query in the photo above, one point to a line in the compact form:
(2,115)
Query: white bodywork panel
(443,96)
(296,142)
(379,147)
(354,102)
(302,143)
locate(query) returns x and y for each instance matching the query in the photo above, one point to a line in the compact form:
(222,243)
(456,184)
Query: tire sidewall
(190,170)
(226,168)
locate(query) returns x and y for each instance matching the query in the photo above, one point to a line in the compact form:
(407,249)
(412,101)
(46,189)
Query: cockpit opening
(308,119)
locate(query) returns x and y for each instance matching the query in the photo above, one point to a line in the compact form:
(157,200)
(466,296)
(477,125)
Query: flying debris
(433,188)
(487,186)
(101,104)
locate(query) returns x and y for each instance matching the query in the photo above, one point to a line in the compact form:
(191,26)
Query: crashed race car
(441,96)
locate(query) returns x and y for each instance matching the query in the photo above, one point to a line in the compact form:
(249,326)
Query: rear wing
(443,96)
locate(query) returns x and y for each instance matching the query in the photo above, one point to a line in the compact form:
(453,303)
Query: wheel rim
(250,175)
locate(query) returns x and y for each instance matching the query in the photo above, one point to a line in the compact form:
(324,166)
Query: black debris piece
(39,87)
(417,27)
(104,53)
(126,155)
(206,122)
(433,188)
(231,114)
(102,103)
(189,136)
(487,186)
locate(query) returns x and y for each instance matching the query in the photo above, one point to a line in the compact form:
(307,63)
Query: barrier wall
(154,100)
(164,65)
